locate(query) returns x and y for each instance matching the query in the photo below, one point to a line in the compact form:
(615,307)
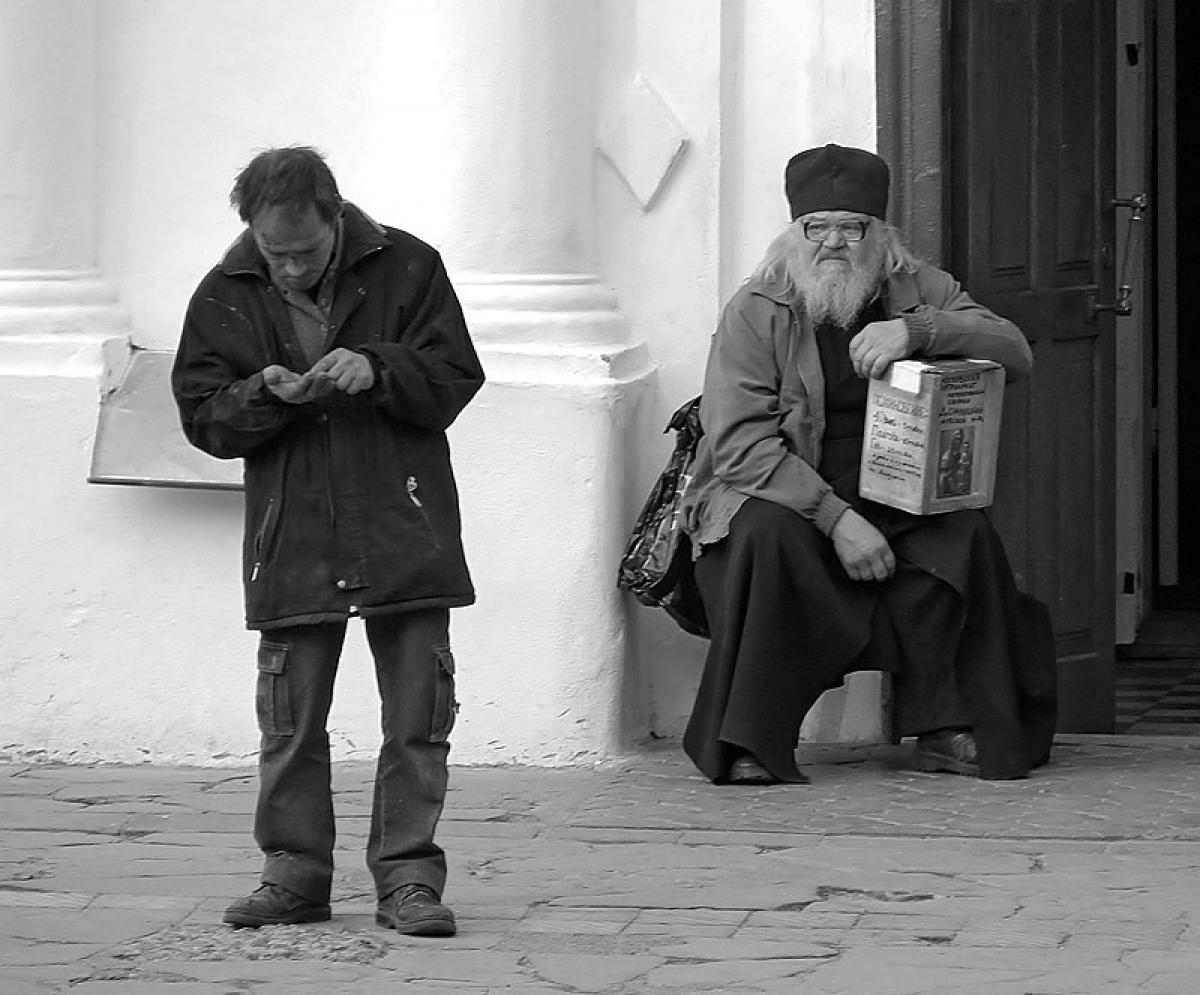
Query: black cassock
(964,646)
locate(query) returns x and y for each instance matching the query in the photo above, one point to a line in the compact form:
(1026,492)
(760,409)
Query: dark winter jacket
(350,503)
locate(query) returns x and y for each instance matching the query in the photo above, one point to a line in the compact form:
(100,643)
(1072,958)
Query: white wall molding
(643,140)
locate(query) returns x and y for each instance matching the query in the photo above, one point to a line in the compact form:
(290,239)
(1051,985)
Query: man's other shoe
(747,770)
(416,910)
(271,905)
(949,751)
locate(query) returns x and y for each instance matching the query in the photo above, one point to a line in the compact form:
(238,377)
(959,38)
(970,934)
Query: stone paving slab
(636,877)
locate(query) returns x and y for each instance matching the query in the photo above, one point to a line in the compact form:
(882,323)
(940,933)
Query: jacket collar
(773,288)
(361,236)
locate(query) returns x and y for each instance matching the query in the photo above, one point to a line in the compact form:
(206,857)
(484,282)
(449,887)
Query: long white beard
(835,293)
(832,292)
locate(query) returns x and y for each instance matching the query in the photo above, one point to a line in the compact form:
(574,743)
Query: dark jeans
(293,823)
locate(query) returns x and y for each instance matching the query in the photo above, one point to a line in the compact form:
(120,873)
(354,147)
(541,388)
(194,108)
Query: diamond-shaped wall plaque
(643,141)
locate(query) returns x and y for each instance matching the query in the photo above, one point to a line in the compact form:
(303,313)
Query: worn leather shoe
(950,751)
(747,770)
(415,910)
(271,905)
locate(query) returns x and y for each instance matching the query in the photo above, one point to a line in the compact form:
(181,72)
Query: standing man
(330,353)
(803,580)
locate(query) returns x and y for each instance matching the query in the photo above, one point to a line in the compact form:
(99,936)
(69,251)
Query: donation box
(931,435)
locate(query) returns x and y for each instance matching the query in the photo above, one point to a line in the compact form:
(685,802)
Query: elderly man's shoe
(949,751)
(415,910)
(746,769)
(271,905)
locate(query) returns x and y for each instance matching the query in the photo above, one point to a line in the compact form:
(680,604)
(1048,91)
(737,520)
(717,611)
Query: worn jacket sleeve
(226,414)
(949,322)
(427,377)
(742,422)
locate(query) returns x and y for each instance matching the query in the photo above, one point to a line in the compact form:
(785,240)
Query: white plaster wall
(460,123)
(808,77)
(99,661)
(47,216)
(412,100)
(752,83)
(663,265)
(121,635)
(188,92)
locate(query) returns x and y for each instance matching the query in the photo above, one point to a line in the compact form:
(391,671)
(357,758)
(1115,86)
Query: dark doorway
(1158,675)
(1187,211)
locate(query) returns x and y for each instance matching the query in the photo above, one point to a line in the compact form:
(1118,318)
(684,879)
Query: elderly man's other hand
(862,549)
(347,371)
(293,387)
(877,346)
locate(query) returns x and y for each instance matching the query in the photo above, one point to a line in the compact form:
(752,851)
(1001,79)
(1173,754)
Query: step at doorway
(1158,677)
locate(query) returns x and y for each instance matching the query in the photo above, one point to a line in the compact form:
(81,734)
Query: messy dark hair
(294,176)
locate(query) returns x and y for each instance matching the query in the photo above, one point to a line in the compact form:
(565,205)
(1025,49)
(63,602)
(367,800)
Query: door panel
(1031,233)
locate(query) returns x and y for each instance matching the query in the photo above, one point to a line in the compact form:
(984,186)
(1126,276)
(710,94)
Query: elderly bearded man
(802,580)
(331,354)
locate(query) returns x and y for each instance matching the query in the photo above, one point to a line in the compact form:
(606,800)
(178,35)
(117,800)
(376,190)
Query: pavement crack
(825,892)
(30,869)
(950,875)
(89,801)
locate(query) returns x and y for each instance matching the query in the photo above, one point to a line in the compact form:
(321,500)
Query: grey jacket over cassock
(764,393)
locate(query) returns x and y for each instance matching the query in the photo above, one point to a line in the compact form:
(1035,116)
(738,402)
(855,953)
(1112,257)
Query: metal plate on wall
(138,438)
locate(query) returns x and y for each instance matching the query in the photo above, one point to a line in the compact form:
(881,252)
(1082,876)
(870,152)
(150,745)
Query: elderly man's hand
(862,549)
(877,346)
(347,371)
(293,387)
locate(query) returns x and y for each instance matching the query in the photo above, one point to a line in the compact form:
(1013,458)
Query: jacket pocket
(272,701)
(445,706)
(262,538)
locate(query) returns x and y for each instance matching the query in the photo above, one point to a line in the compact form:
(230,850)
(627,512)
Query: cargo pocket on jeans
(272,701)
(445,707)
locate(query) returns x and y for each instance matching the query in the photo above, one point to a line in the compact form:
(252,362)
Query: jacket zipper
(260,538)
(410,485)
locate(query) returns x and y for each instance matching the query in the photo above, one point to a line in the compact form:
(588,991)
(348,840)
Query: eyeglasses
(851,231)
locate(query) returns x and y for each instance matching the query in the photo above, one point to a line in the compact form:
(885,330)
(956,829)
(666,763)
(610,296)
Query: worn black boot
(271,905)
(416,910)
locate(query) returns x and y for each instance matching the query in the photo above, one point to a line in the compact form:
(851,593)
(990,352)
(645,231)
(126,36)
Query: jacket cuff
(258,394)
(918,321)
(376,367)
(829,511)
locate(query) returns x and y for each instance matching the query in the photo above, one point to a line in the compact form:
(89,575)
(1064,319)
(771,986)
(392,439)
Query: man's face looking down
(295,242)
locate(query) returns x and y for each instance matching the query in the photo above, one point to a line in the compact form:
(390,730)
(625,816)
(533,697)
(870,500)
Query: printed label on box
(931,435)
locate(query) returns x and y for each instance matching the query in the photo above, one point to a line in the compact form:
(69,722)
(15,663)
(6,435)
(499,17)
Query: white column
(56,315)
(506,163)
(541,454)
(54,308)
